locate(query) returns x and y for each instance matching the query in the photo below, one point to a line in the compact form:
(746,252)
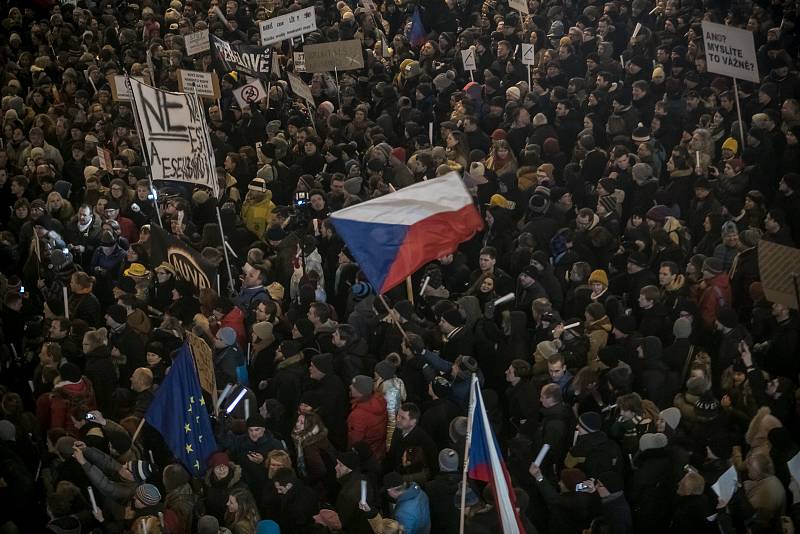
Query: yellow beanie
(600,276)
(731,144)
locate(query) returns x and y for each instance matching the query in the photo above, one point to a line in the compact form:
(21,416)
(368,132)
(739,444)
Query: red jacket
(235,319)
(54,409)
(367,422)
(716,295)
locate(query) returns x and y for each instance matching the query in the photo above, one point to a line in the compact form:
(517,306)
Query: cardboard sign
(250,93)
(120,92)
(287,26)
(519,5)
(104,155)
(300,88)
(205,83)
(730,51)
(777,265)
(341,55)
(528,54)
(299,61)
(203,362)
(197,43)
(468,58)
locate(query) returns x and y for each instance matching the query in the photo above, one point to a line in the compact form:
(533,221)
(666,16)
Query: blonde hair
(96,338)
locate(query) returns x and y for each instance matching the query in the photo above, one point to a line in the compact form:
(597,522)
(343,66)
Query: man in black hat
(249,450)
(457,339)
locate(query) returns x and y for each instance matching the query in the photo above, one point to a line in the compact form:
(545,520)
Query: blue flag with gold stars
(179,412)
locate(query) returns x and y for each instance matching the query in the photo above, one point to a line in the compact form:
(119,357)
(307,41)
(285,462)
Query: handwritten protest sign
(341,55)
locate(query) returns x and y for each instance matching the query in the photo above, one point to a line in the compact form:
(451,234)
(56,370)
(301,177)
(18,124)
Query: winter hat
(712,265)
(612,481)
(448,461)
(697,385)
(609,202)
(324,363)
(385,369)
(70,372)
(141,470)
(500,201)
(441,387)
(540,119)
(672,417)
(727,317)
(652,441)
(117,313)
(361,290)
(707,407)
(590,421)
(457,429)
(609,184)
(682,328)
(546,349)
(444,80)
(218,458)
(268,526)
(454,317)
(599,275)
(641,134)
(175,476)
(148,495)
(731,144)
(89,171)
(639,259)
(620,378)
(513,94)
(498,134)
(227,335)
(64,446)
(256,421)
(750,237)
(659,213)
(258,185)
(263,329)
(7,431)
(641,172)
(208,524)
(363,385)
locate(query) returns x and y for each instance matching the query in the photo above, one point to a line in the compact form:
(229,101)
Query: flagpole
(470,416)
(393,318)
(144,149)
(225,251)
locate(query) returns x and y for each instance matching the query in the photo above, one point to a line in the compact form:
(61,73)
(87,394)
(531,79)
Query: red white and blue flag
(394,235)
(485,463)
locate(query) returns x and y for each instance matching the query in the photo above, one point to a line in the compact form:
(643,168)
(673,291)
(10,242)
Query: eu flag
(179,412)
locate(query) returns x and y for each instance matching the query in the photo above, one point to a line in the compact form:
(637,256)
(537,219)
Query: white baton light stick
(424,285)
(66,301)
(542,453)
(363,492)
(571,326)
(223,395)
(236,401)
(92,500)
(505,298)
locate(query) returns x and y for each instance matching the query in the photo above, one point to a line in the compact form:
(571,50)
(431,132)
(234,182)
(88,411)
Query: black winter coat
(441,491)
(650,489)
(100,370)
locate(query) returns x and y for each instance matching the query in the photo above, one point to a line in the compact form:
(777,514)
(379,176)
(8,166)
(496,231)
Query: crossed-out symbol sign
(250,94)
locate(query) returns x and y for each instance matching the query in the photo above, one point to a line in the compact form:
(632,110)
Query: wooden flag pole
(393,318)
(465,458)
(138,430)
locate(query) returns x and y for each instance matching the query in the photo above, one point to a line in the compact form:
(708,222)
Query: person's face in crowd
(255,433)
(310,148)
(501,151)
(597,288)
(55,331)
(404,421)
(487,286)
(315,373)
(232,505)
(665,276)
(153,359)
(644,303)
(317,202)
(623,162)
(602,83)
(771,225)
(112,213)
(701,193)
(638,93)
(562,110)
(36,138)
(17,136)
(451,141)
(486,262)
(511,376)
(556,370)
(791,139)
(583,223)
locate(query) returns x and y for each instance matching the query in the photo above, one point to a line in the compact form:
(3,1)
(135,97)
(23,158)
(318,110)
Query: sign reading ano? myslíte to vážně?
(175,136)
(730,51)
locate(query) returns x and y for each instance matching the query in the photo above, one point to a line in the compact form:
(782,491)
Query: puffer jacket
(217,491)
(256,215)
(53,409)
(597,331)
(367,422)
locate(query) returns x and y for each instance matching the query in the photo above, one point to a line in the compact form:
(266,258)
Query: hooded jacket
(256,215)
(53,409)
(367,422)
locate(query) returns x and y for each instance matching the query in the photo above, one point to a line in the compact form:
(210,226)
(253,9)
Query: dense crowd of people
(626,191)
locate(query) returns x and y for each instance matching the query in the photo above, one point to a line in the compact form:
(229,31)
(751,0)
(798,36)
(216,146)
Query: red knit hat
(218,458)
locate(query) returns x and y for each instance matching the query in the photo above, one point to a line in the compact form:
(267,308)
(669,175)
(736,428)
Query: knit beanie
(148,495)
(227,335)
(609,202)
(682,328)
(385,369)
(598,275)
(363,385)
(323,363)
(590,421)
(448,461)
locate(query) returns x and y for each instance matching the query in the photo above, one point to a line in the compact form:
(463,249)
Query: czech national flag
(486,464)
(394,235)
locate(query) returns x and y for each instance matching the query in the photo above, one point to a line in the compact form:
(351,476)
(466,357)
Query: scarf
(305,439)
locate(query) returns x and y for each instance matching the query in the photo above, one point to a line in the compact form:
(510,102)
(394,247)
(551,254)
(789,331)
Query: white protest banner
(300,88)
(250,93)
(468,58)
(528,54)
(205,83)
(174,135)
(119,90)
(287,26)
(730,51)
(341,55)
(519,5)
(197,43)
(299,61)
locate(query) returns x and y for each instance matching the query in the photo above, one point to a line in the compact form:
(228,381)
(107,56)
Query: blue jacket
(413,511)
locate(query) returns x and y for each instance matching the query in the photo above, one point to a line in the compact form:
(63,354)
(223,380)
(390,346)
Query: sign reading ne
(175,137)
(205,83)
(730,51)
(287,26)
(341,55)
(197,43)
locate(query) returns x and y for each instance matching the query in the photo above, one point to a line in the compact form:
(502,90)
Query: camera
(582,486)
(300,198)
